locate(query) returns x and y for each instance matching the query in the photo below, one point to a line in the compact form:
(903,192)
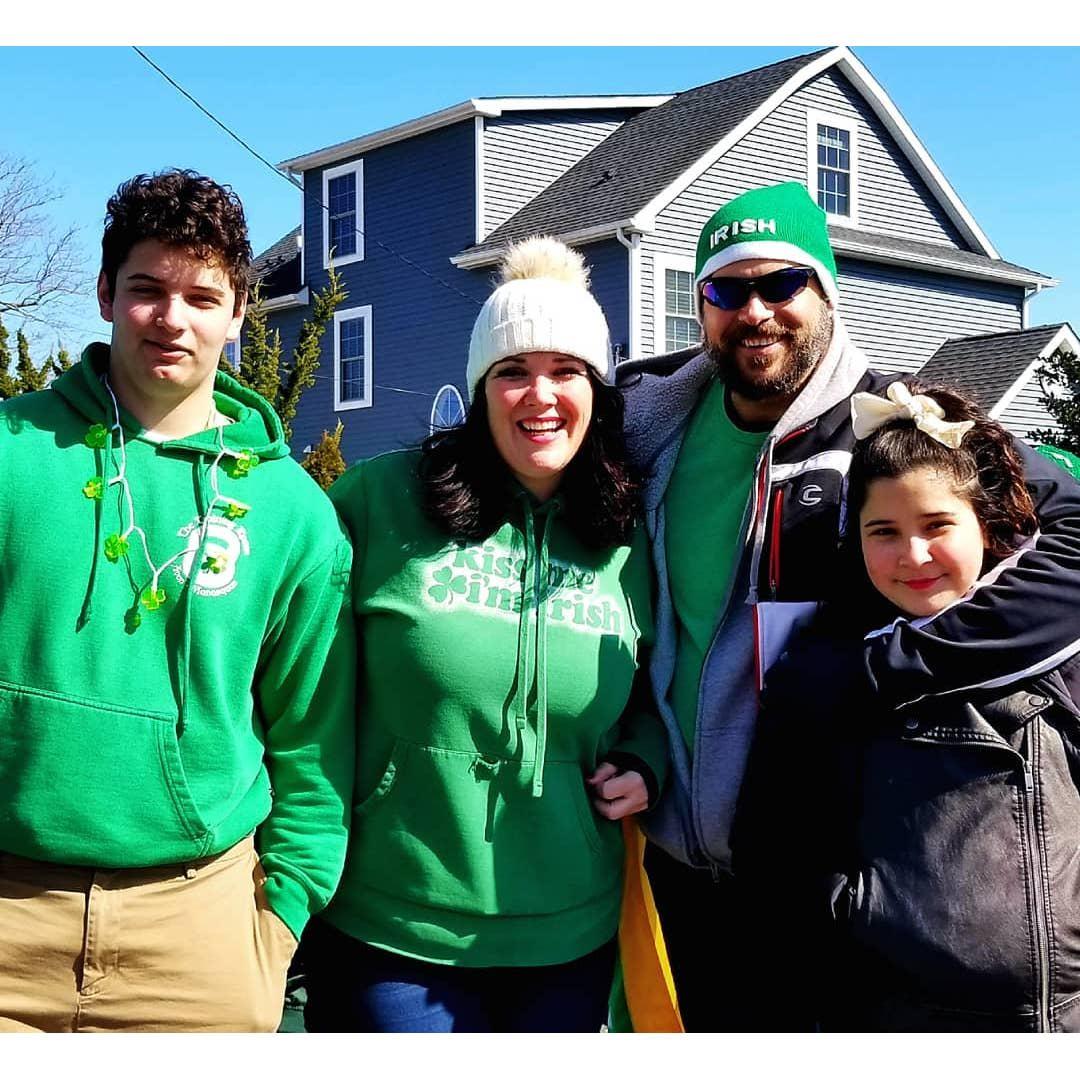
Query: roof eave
(951,266)
(1064,338)
(472,260)
(465,110)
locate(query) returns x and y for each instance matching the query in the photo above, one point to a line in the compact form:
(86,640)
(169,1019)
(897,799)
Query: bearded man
(746,444)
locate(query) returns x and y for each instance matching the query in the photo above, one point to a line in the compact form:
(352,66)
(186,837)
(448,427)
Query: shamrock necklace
(151,595)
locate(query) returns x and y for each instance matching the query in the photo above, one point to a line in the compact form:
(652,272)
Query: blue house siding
(419,202)
(610,284)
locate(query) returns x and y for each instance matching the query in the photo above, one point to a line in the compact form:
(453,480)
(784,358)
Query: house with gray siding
(418,216)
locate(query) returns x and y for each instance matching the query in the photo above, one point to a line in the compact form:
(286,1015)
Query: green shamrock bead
(116,547)
(215,563)
(242,464)
(132,620)
(97,436)
(235,511)
(152,598)
(94,488)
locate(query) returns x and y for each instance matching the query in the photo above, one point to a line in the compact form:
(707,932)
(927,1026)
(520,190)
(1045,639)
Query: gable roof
(617,179)
(631,176)
(464,110)
(281,251)
(993,368)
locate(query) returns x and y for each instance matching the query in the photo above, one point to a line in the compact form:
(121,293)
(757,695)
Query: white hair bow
(869,412)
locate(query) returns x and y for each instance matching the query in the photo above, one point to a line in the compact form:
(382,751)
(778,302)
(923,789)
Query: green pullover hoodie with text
(176,657)
(495,676)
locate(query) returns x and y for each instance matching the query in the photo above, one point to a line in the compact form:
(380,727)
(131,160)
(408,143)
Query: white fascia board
(591,101)
(680,183)
(914,150)
(951,266)
(883,108)
(472,260)
(288,300)
(1064,338)
(465,110)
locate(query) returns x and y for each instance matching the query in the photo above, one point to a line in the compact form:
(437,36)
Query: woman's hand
(617,794)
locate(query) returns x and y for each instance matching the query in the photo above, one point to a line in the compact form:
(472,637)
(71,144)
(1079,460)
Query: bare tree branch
(40,263)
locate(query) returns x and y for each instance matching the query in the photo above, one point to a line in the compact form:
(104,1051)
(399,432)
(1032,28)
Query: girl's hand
(617,794)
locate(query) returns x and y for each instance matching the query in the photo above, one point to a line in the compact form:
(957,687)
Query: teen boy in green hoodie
(176,663)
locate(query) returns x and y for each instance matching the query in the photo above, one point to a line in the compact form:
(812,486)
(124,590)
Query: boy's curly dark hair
(985,468)
(468,494)
(184,210)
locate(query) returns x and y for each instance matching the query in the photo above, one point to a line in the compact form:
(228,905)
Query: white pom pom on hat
(542,305)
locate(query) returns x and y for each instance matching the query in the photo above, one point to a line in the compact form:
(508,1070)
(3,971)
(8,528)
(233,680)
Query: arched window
(447,410)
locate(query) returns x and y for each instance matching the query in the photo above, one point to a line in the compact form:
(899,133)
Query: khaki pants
(189,947)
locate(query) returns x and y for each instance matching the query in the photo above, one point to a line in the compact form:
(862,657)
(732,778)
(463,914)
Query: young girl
(941,836)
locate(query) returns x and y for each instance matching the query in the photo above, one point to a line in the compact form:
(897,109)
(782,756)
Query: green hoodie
(481,712)
(142,726)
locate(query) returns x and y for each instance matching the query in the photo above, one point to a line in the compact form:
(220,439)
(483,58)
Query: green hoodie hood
(255,426)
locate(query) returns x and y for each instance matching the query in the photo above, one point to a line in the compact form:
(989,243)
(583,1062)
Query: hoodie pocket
(450,829)
(86,782)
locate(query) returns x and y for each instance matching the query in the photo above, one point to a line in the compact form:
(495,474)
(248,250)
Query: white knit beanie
(543,305)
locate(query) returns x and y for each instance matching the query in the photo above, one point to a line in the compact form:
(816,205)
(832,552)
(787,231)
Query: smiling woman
(503,597)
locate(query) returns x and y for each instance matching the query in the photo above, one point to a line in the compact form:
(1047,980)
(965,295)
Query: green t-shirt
(703,510)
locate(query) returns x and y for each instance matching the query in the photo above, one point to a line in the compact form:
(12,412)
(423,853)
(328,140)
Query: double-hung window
(343,214)
(676,325)
(352,358)
(833,156)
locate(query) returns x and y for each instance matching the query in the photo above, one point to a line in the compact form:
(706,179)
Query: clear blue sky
(1000,122)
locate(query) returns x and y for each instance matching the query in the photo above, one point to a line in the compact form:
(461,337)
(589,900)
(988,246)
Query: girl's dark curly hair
(985,469)
(182,209)
(466,483)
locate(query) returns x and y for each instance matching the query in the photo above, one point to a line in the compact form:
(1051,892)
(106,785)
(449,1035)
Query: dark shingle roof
(920,251)
(986,366)
(278,267)
(640,158)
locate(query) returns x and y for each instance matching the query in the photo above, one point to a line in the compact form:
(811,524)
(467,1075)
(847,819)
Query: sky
(1000,122)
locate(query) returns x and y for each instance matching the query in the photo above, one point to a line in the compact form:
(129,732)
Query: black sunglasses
(730,293)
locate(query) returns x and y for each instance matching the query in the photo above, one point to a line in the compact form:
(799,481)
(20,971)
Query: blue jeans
(356,987)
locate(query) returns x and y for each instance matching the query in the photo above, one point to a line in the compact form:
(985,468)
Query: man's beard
(806,347)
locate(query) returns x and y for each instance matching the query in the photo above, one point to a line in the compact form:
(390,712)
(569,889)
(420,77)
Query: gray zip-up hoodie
(693,818)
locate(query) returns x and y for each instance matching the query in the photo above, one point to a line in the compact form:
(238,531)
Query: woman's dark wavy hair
(182,209)
(985,468)
(466,483)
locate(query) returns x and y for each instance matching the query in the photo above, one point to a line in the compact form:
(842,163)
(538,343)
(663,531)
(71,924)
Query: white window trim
(364,402)
(435,401)
(328,175)
(236,342)
(661,262)
(850,124)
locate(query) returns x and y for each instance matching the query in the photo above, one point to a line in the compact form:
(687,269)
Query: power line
(277,172)
(224,127)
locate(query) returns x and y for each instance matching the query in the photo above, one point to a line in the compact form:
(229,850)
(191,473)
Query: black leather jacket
(929,857)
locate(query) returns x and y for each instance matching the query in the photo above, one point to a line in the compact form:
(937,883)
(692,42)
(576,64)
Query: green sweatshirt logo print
(226,543)
(487,579)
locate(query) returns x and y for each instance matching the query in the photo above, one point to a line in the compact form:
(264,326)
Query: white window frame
(661,263)
(850,124)
(224,354)
(364,402)
(432,427)
(356,167)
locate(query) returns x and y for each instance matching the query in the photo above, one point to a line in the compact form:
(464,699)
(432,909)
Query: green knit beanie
(780,222)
